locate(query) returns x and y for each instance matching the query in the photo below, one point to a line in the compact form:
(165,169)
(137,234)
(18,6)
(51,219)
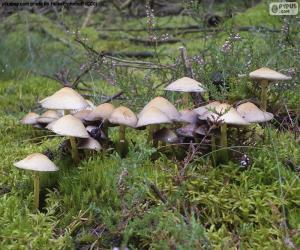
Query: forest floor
(142,201)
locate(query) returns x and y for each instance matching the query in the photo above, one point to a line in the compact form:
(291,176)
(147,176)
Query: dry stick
(88,16)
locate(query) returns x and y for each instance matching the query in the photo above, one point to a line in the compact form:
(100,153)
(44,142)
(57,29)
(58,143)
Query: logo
(283,9)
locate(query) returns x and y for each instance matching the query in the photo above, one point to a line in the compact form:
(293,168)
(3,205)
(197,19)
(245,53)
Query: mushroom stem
(223,143)
(186,98)
(152,129)
(105,127)
(264,94)
(122,139)
(36,190)
(74,150)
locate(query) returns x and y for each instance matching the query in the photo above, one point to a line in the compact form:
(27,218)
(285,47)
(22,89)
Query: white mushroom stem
(264,94)
(36,189)
(223,143)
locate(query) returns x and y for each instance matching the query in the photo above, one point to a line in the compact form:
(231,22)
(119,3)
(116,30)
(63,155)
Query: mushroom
(123,117)
(72,127)
(224,114)
(164,106)
(253,114)
(101,113)
(264,76)
(152,116)
(82,115)
(188,116)
(38,163)
(66,99)
(89,143)
(186,85)
(48,117)
(30,118)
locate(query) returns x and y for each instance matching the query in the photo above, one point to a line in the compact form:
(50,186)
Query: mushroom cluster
(68,114)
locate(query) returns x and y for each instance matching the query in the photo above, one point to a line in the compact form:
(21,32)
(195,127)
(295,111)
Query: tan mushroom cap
(252,113)
(208,110)
(268,74)
(224,113)
(203,109)
(188,116)
(66,99)
(48,116)
(163,105)
(186,84)
(232,117)
(123,116)
(69,126)
(30,118)
(82,114)
(152,115)
(37,162)
(101,112)
(89,143)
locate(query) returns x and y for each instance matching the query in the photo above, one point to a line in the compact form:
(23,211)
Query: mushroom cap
(66,99)
(101,112)
(268,74)
(48,116)
(185,84)
(252,113)
(224,113)
(82,114)
(163,105)
(152,115)
(203,109)
(166,135)
(30,118)
(37,162)
(89,143)
(123,116)
(188,116)
(206,111)
(69,126)
(232,117)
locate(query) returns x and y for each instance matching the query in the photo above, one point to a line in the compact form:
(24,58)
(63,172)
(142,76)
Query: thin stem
(36,190)
(223,144)
(264,94)
(186,99)
(74,150)
(122,140)
(152,129)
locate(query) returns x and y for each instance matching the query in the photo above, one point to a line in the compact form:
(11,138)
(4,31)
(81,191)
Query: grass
(107,201)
